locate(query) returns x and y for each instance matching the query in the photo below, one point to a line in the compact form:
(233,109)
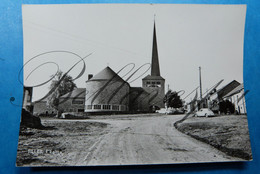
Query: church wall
(156,96)
(138,100)
(156,91)
(98,93)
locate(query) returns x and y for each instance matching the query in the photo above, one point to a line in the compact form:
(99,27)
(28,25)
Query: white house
(237,97)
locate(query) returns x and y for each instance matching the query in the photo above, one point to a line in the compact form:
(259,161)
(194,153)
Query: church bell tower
(154,84)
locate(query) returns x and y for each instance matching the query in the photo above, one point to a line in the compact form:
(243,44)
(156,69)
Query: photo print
(132,84)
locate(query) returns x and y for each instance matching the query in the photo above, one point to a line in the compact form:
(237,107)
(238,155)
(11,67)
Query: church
(107,92)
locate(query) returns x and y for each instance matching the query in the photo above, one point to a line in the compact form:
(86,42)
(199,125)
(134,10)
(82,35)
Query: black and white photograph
(132,84)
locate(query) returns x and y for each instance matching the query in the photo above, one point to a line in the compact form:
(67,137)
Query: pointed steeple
(155,71)
(154,82)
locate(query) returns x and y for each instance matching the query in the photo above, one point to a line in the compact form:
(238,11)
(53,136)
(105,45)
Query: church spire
(155,71)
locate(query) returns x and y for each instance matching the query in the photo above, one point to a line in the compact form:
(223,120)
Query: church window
(153,83)
(107,107)
(89,106)
(158,83)
(97,106)
(115,107)
(122,108)
(148,82)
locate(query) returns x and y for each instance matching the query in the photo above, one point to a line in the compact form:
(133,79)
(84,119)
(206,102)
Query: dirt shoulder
(228,133)
(61,142)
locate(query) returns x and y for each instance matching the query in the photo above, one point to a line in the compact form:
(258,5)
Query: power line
(77,38)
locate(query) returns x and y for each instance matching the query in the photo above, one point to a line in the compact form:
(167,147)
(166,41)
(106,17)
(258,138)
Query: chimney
(90,76)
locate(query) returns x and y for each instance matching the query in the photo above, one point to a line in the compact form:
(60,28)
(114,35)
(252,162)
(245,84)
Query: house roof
(76,93)
(106,74)
(42,101)
(226,89)
(235,91)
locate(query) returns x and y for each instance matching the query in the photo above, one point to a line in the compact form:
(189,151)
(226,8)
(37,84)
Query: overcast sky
(188,36)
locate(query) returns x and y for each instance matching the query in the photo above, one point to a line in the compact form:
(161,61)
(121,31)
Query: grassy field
(227,133)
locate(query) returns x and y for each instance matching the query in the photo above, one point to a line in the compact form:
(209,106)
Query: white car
(165,111)
(65,115)
(169,111)
(161,111)
(204,112)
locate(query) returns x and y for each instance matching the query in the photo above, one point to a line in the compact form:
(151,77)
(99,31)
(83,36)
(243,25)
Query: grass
(228,133)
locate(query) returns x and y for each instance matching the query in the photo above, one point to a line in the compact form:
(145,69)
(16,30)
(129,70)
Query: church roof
(106,74)
(149,77)
(76,93)
(155,70)
(139,89)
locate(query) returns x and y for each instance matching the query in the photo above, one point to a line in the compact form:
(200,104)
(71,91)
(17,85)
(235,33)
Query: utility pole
(200,83)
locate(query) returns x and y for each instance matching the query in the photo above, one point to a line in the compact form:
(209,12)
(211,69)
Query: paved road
(148,140)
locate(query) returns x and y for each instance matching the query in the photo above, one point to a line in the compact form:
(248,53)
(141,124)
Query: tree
(226,107)
(172,99)
(60,85)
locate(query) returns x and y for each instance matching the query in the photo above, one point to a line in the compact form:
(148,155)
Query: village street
(147,140)
(113,140)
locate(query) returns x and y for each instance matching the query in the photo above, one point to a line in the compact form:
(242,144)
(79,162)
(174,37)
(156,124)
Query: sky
(114,35)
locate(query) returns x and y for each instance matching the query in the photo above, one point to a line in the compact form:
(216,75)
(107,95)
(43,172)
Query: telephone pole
(200,83)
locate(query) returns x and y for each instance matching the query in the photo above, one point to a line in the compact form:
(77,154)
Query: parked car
(170,111)
(161,111)
(166,111)
(65,115)
(204,112)
(71,115)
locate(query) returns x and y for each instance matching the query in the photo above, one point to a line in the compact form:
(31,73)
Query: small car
(161,111)
(166,111)
(65,115)
(204,112)
(170,111)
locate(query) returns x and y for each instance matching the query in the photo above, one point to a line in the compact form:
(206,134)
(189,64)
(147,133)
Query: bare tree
(62,84)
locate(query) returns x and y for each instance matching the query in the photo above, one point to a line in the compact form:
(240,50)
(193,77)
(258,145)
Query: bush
(29,120)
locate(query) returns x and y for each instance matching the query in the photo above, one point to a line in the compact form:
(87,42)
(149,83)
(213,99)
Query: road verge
(228,134)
